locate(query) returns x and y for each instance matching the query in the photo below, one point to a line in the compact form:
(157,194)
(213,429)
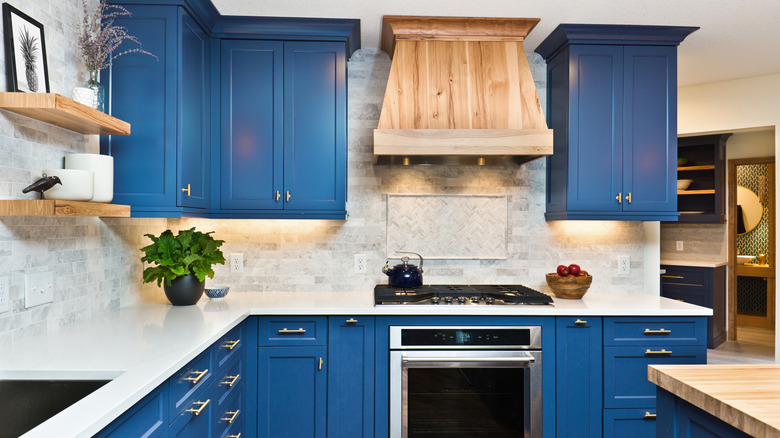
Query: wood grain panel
(48,207)
(745,396)
(63,112)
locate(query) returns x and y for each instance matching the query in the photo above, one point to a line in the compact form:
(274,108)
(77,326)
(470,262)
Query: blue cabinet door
(147,418)
(292,398)
(143,92)
(351,376)
(595,128)
(578,379)
(193,145)
(251,123)
(315,126)
(650,128)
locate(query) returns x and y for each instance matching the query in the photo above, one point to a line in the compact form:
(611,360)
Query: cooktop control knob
(435,300)
(448,300)
(475,300)
(462,300)
(489,300)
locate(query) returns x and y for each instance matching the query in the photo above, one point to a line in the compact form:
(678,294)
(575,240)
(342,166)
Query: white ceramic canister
(102,166)
(76,185)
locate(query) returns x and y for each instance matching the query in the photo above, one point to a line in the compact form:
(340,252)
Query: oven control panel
(418,337)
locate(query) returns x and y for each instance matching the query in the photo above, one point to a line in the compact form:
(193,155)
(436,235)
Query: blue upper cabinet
(283,129)
(161,169)
(612,103)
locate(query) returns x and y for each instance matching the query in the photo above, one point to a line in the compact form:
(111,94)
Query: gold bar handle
(657,332)
(200,376)
(580,322)
(619,198)
(234,436)
(661,351)
(649,416)
(288,196)
(232,417)
(352,321)
(186,190)
(278,195)
(672,276)
(232,380)
(200,409)
(628,198)
(284,331)
(319,367)
(230,344)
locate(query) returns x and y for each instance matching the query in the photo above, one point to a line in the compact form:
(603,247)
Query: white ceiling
(737,39)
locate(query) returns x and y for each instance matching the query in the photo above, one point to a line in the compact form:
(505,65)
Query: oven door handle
(466,362)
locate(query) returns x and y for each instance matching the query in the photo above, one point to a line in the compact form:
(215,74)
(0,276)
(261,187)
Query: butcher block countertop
(744,396)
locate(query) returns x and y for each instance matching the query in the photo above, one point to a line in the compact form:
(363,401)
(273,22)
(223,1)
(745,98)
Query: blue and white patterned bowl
(217,293)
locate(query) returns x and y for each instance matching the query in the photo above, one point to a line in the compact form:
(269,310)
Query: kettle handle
(418,255)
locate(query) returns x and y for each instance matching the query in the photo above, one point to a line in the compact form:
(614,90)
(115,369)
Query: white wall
(744,104)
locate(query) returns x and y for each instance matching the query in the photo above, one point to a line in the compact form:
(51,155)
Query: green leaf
(190,251)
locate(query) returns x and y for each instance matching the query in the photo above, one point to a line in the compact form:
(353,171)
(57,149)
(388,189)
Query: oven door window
(466,402)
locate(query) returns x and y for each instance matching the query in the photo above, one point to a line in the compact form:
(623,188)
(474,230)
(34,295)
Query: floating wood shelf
(706,167)
(696,192)
(48,207)
(63,112)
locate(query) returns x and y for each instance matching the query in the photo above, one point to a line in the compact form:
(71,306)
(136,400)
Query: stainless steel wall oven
(451,382)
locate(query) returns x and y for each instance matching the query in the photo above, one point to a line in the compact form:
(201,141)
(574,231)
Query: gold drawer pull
(657,332)
(287,198)
(186,190)
(234,436)
(200,409)
(232,380)
(662,351)
(352,321)
(200,376)
(230,344)
(649,416)
(628,197)
(319,367)
(277,200)
(580,322)
(233,415)
(672,276)
(284,331)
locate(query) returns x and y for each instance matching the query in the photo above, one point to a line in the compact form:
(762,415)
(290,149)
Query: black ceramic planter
(185,290)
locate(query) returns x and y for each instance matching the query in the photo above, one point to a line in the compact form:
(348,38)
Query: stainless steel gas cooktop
(470,294)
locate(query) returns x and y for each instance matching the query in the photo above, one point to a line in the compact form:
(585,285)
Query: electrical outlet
(679,245)
(624,265)
(38,289)
(5,298)
(236,263)
(360,263)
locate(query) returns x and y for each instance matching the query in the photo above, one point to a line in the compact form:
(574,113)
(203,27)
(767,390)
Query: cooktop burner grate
(464,294)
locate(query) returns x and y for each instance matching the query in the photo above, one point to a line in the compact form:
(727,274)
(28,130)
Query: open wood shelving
(50,207)
(58,110)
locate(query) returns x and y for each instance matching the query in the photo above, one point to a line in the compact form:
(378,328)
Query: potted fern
(182,262)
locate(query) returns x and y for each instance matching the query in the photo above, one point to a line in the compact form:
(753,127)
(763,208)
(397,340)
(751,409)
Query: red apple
(563,270)
(574,269)
(583,273)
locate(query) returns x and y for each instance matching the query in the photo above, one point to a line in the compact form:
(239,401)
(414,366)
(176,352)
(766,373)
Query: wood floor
(753,345)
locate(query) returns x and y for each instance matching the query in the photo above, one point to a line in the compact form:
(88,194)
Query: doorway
(751,243)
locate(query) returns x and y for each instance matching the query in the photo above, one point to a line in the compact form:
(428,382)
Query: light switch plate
(5,295)
(38,289)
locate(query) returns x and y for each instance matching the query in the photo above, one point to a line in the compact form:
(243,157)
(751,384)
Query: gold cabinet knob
(619,198)
(186,190)
(278,195)
(580,322)
(288,196)
(352,321)
(628,197)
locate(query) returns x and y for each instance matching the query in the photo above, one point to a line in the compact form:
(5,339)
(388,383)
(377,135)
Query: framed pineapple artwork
(25,52)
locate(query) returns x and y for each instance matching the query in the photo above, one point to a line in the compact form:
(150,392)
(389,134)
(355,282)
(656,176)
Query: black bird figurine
(42,184)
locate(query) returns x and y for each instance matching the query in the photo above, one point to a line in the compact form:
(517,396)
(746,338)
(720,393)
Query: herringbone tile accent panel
(467,227)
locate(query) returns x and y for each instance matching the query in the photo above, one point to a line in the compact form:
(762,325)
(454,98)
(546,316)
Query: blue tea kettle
(404,275)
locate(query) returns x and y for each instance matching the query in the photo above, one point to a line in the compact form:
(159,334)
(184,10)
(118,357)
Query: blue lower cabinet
(147,418)
(351,377)
(195,421)
(229,416)
(578,379)
(634,423)
(678,418)
(292,391)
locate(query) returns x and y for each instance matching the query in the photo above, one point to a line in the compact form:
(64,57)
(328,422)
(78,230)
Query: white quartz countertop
(695,263)
(140,346)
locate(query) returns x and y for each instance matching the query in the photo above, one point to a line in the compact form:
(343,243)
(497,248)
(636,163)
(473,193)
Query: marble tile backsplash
(97,265)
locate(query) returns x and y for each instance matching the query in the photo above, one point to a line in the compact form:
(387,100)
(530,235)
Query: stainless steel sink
(27,403)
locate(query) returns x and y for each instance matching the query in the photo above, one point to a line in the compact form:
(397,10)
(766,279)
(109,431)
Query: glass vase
(91,93)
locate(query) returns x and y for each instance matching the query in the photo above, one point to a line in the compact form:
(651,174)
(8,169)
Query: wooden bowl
(572,288)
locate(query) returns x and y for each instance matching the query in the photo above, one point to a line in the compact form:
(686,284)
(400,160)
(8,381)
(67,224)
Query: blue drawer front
(147,418)
(634,423)
(229,346)
(184,391)
(625,372)
(294,330)
(655,331)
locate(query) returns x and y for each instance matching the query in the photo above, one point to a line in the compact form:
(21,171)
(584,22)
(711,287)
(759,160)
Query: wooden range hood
(460,91)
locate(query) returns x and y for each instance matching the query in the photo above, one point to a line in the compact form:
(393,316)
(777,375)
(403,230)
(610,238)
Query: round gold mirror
(749,210)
